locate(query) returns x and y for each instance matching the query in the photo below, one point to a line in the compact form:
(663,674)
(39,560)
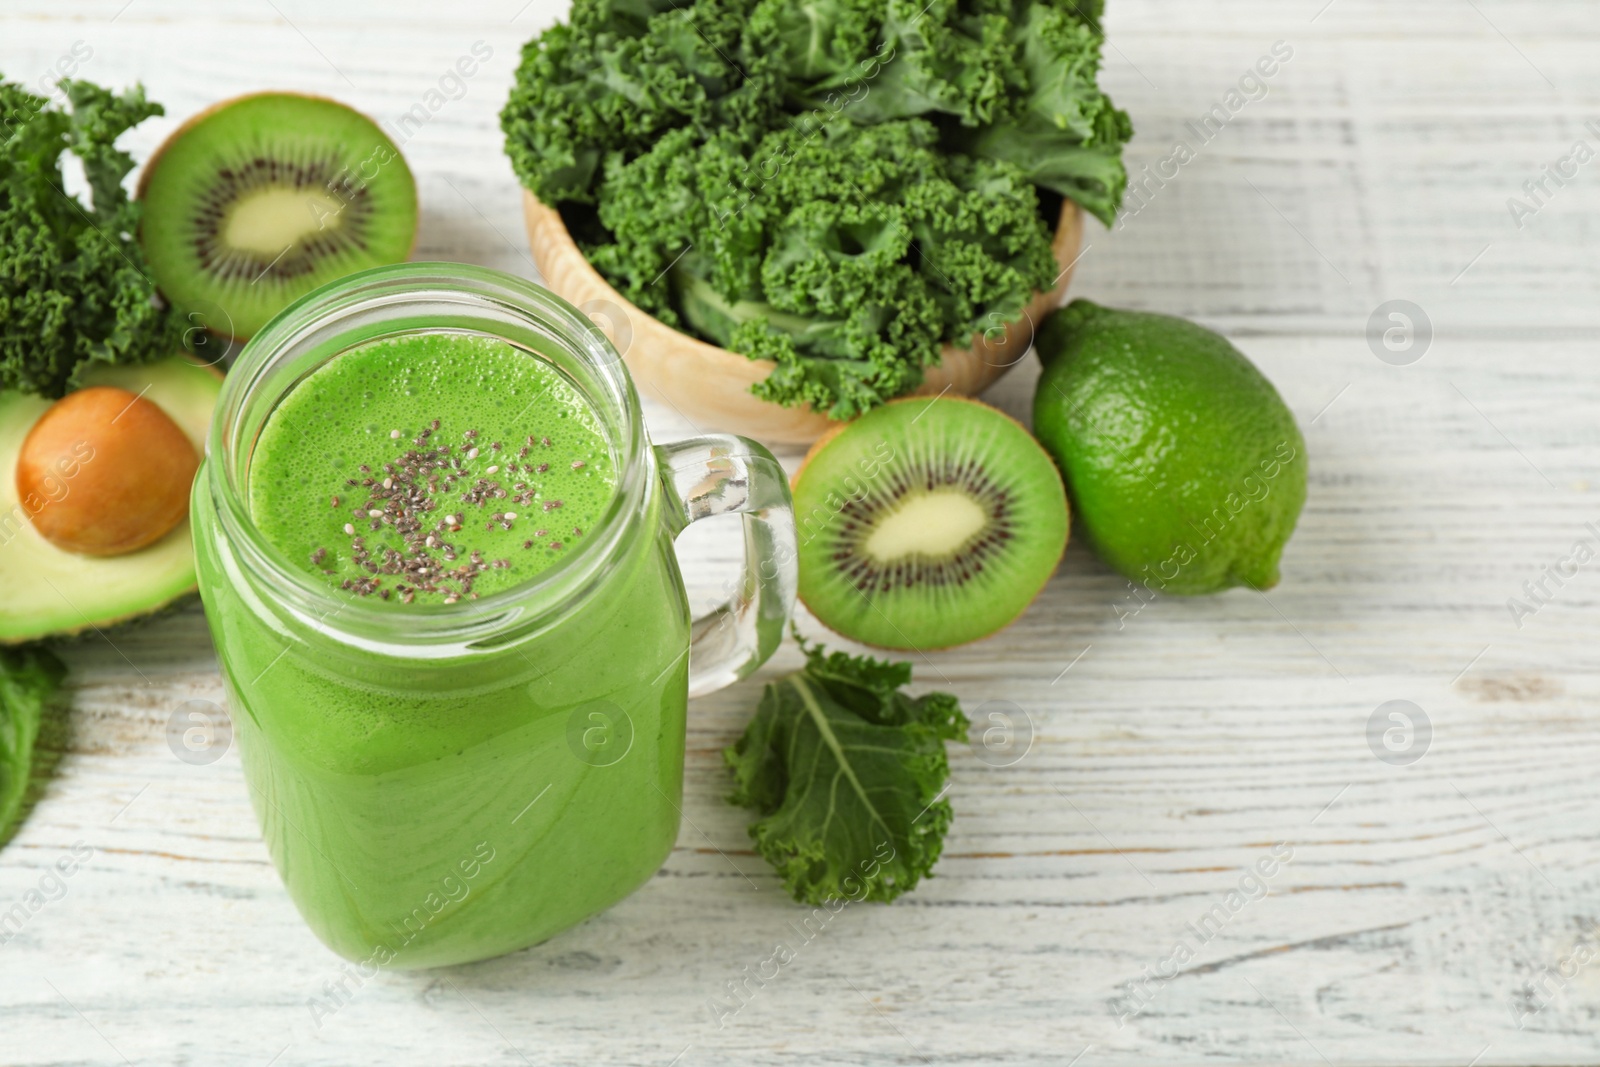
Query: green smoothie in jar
(436,468)
(435,545)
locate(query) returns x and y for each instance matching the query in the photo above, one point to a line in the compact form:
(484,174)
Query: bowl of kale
(785,213)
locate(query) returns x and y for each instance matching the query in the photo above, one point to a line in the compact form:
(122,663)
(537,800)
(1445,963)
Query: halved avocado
(52,592)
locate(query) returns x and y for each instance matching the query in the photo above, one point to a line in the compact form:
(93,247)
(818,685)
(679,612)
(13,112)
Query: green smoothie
(439,806)
(438,466)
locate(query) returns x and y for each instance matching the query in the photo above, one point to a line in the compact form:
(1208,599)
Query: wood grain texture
(710,386)
(1425,908)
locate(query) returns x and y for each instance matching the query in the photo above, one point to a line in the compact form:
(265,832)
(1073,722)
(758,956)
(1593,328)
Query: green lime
(1183,463)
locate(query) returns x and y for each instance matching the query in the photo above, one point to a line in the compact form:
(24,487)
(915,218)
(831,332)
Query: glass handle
(721,474)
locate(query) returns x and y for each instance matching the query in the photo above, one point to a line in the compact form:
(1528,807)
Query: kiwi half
(927,523)
(257,201)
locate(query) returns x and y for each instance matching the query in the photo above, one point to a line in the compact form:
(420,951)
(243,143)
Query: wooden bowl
(710,386)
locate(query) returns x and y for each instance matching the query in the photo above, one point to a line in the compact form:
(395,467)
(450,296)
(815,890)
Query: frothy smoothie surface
(430,468)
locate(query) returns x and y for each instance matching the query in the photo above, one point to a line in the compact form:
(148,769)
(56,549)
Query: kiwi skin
(837,429)
(150,165)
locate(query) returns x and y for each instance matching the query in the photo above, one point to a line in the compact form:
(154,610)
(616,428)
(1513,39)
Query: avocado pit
(105,471)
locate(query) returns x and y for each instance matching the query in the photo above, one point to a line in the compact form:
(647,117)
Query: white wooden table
(1433,912)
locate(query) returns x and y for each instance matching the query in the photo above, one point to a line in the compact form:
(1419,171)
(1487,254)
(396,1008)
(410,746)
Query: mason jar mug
(444,782)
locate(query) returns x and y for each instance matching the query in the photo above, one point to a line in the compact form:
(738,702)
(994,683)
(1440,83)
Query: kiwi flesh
(927,523)
(259,200)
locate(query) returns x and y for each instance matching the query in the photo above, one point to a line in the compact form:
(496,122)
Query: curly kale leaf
(823,41)
(845,771)
(1019,81)
(1063,133)
(941,58)
(845,255)
(73,285)
(621,74)
(28,677)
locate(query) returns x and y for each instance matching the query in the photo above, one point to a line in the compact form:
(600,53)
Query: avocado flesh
(47,591)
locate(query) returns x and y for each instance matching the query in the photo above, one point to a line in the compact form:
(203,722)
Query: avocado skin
(1184,465)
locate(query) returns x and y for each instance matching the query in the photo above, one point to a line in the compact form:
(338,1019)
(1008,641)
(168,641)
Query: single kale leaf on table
(846,772)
